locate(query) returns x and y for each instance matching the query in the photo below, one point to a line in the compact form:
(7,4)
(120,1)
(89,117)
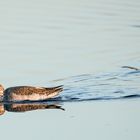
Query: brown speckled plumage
(30,93)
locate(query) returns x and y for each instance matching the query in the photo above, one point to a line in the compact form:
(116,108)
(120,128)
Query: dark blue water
(124,83)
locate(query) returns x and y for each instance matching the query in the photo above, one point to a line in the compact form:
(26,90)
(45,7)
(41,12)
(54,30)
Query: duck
(28,93)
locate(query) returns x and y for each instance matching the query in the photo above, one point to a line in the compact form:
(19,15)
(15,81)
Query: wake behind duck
(24,93)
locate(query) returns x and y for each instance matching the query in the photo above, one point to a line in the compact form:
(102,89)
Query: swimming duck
(22,93)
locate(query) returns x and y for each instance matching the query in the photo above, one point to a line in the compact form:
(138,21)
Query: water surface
(83,44)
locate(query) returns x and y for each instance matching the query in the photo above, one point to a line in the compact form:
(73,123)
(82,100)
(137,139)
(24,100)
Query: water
(82,45)
(116,85)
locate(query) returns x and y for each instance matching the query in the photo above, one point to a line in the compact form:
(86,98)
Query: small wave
(123,84)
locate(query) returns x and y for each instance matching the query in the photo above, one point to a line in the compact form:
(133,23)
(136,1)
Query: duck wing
(30,93)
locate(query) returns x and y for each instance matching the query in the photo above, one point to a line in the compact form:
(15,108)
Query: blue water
(124,83)
(83,44)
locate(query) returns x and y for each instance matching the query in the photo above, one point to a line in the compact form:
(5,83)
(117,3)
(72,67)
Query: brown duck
(22,93)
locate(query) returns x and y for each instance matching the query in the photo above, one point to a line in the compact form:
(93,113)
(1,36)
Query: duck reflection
(23,107)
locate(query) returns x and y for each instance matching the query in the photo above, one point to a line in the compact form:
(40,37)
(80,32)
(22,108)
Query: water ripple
(124,83)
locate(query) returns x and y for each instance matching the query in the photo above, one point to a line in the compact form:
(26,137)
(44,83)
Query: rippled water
(112,85)
(86,41)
